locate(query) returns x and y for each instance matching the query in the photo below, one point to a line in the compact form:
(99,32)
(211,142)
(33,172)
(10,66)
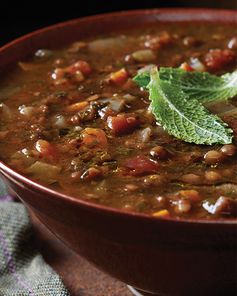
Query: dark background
(18,17)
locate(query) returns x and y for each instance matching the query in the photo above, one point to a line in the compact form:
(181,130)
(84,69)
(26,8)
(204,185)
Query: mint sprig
(202,86)
(176,102)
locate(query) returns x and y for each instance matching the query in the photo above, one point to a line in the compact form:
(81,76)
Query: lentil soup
(74,120)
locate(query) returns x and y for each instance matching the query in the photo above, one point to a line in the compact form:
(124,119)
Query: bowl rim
(205,15)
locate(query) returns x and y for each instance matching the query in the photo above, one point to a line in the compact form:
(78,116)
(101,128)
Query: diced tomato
(215,59)
(46,149)
(190,194)
(141,165)
(77,70)
(119,77)
(91,174)
(81,66)
(186,67)
(155,42)
(94,138)
(122,124)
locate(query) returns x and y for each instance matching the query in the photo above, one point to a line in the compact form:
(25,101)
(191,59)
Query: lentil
(213,157)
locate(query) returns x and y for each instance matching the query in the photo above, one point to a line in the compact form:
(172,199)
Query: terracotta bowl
(165,257)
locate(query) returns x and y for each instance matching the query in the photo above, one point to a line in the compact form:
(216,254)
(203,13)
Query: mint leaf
(183,117)
(142,79)
(201,86)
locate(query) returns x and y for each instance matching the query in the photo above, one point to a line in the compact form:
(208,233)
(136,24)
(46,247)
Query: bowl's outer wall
(146,255)
(154,255)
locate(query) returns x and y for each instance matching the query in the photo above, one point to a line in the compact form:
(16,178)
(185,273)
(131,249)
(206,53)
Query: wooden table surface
(79,276)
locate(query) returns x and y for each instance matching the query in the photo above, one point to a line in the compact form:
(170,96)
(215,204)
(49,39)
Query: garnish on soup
(176,97)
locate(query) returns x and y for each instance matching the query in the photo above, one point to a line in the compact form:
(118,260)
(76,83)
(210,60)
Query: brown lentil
(213,157)
(191,179)
(212,176)
(159,152)
(229,150)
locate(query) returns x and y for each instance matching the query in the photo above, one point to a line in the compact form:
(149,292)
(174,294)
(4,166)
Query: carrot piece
(77,106)
(94,138)
(161,213)
(186,67)
(191,194)
(119,77)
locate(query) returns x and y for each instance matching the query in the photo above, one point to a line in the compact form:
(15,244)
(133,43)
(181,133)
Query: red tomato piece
(215,59)
(141,165)
(186,67)
(46,149)
(155,42)
(81,66)
(122,124)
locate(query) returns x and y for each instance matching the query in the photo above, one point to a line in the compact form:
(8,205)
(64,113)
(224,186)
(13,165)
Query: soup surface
(74,120)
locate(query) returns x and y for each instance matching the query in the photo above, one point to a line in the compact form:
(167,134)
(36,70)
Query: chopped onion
(24,156)
(147,68)
(43,53)
(5,112)
(145,135)
(44,172)
(26,111)
(107,44)
(77,46)
(129,98)
(77,128)
(144,55)
(232,44)
(115,104)
(197,65)
(59,121)
(223,205)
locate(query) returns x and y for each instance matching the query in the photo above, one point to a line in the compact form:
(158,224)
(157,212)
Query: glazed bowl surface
(160,256)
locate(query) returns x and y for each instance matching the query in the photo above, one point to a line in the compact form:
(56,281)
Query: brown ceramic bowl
(165,257)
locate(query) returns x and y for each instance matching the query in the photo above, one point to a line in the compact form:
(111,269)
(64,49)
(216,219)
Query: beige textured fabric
(23,270)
